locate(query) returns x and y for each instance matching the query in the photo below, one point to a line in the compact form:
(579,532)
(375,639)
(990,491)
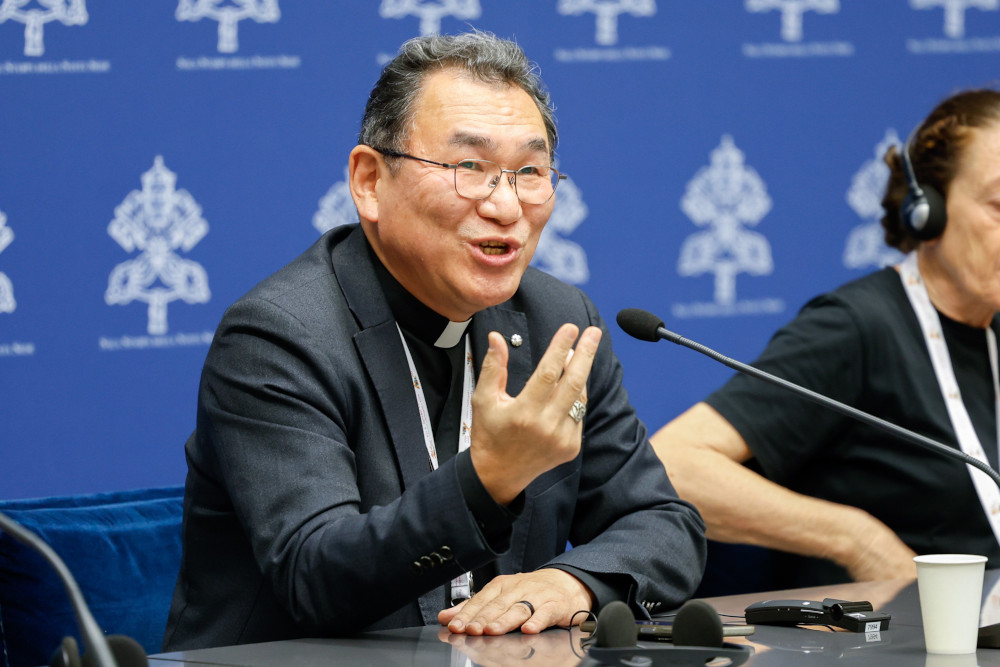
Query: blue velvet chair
(124,550)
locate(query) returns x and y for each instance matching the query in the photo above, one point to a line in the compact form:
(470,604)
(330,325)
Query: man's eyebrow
(473,141)
(537,144)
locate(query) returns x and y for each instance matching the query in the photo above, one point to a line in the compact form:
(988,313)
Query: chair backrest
(124,550)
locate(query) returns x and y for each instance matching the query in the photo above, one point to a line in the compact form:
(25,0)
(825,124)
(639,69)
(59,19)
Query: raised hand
(516,439)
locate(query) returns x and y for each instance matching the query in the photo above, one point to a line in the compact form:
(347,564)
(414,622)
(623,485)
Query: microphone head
(616,627)
(67,654)
(697,624)
(640,324)
(126,651)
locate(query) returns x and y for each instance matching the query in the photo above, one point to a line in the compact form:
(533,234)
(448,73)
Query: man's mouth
(494,247)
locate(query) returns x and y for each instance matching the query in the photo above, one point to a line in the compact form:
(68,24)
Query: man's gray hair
(482,55)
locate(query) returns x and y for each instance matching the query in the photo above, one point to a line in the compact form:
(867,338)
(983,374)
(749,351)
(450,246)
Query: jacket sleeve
(629,521)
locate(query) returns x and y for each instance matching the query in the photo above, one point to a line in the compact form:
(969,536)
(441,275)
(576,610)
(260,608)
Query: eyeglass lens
(476,179)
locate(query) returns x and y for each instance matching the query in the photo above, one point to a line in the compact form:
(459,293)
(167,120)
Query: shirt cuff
(495,521)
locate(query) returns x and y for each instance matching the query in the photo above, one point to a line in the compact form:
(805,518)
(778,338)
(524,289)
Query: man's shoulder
(545,295)
(306,289)
(312,268)
(536,284)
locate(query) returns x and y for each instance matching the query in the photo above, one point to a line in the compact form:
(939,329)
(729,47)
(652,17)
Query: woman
(859,502)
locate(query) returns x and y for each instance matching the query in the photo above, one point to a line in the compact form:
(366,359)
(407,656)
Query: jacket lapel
(379,345)
(510,324)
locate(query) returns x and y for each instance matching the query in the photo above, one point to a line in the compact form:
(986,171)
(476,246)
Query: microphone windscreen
(616,627)
(640,324)
(67,654)
(127,652)
(697,624)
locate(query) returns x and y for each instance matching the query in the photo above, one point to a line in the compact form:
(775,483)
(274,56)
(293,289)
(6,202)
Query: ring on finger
(531,607)
(578,410)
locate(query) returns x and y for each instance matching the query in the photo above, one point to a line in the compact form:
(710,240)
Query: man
(348,471)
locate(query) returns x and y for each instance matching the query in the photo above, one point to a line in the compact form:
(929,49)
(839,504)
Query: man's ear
(364,169)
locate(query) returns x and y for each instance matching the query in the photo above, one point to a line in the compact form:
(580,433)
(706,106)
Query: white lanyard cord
(461,586)
(930,324)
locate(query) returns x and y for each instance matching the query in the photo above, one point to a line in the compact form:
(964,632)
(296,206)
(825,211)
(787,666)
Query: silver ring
(531,607)
(578,410)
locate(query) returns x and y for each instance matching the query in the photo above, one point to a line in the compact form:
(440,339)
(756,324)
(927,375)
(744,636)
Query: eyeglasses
(478,179)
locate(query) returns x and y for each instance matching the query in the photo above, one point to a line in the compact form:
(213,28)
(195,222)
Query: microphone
(646,326)
(98,650)
(697,637)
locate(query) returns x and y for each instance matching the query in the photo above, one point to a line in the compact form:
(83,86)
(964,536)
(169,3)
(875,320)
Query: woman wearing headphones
(843,500)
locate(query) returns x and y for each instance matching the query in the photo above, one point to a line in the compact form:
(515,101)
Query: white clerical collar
(452,334)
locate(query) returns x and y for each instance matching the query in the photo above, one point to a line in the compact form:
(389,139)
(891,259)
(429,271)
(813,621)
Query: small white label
(873,626)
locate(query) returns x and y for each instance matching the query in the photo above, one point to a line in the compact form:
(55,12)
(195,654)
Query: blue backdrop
(159,158)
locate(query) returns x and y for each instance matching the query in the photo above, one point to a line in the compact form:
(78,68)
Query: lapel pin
(516,340)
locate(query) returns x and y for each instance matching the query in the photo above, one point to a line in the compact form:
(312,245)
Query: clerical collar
(413,316)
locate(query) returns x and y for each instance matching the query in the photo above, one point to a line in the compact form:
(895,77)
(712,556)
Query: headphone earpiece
(615,626)
(923,211)
(697,624)
(697,639)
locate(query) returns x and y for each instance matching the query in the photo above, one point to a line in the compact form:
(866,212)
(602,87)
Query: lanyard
(930,324)
(461,586)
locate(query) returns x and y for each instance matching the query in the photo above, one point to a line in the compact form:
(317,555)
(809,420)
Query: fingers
(561,375)
(495,610)
(498,616)
(515,439)
(493,374)
(476,613)
(529,601)
(583,394)
(517,616)
(572,387)
(445,615)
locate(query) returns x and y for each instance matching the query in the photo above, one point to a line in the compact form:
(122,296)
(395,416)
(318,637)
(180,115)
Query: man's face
(456,255)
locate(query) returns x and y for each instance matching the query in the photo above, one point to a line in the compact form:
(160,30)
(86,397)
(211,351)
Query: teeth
(493,247)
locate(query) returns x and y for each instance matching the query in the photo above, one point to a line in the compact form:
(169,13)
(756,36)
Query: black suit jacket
(310,499)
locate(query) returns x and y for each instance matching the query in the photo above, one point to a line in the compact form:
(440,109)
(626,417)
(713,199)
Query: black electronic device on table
(853,616)
(663,629)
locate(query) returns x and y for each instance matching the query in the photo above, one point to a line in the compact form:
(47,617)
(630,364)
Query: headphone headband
(908,172)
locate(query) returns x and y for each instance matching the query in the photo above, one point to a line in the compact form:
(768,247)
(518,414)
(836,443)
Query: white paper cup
(951,589)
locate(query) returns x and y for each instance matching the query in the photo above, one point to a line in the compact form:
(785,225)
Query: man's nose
(502,204)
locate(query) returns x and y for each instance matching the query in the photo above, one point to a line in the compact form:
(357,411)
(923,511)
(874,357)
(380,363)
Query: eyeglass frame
(447,165)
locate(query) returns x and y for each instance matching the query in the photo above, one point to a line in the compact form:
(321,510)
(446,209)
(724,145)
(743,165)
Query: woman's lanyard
(930,324)
(461,586)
